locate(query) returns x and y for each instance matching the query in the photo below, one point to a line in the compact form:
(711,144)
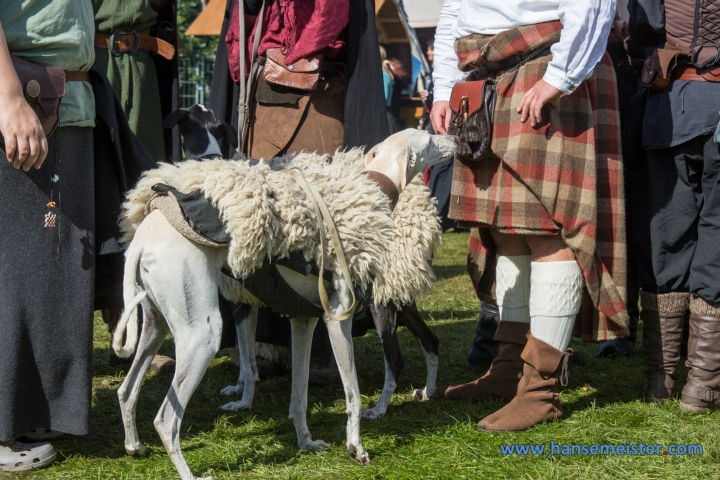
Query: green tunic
(132,76)
(58,34)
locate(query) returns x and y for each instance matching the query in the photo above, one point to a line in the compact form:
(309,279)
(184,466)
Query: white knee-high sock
(512,288)
(555,298)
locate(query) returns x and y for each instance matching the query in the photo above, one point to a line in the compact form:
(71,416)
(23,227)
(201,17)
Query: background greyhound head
(201,132)
(405,154)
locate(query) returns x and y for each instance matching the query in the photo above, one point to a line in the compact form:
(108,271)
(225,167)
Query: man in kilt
(547,203)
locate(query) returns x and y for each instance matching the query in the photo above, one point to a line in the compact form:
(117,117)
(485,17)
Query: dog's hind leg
(154,331)
(302,330)
(428,341)
(194,350)
(246,325)
(341,339)
(385,318)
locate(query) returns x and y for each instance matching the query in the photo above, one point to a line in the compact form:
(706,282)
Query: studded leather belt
(120,42)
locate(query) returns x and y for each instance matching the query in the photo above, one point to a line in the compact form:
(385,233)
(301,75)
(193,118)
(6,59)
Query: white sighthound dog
(176,280)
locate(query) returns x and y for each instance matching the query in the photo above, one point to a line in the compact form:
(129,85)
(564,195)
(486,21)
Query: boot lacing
(565,372)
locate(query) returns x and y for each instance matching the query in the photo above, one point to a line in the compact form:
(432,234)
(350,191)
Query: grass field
(432,439)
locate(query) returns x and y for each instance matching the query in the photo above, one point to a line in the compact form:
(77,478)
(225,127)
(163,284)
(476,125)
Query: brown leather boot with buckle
(501,380)
(702,390)
(663,316)
(537,398)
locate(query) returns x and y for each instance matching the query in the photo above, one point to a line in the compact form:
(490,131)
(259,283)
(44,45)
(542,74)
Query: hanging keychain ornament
(50,216)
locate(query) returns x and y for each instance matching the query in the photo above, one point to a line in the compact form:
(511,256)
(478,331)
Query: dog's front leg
(302,330)
(341,339)
(245,325)
(385,318)
(428,341)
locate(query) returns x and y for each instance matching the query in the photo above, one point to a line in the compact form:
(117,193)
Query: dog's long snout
(446,144)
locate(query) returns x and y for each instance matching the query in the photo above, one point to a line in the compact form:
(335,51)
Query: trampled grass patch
(434,439)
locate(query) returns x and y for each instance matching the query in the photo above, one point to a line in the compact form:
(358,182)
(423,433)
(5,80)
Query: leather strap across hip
(688,72)
(77,76)
(120,42)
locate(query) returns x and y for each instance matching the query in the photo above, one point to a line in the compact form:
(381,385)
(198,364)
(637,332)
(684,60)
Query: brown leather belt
(120,42)
(77,77)
(688,72)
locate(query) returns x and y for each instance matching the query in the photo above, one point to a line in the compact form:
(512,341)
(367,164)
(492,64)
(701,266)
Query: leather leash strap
(130,42)
(323,217)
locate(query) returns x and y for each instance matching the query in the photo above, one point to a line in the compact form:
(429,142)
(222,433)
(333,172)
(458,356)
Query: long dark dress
(46,289)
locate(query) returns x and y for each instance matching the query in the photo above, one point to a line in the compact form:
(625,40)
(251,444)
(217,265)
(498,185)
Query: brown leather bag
(301,75)
(43,88)
(473,112)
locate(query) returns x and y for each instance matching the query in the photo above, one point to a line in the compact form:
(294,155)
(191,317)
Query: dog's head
(201,131)
(405,154)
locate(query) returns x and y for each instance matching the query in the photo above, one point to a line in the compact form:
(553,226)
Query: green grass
(433,439)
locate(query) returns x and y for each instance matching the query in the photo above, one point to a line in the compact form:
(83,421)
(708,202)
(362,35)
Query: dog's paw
(136,450)
(373,413)
(358,454)
(232,390)
(314,445)
(422,394)
(235,406)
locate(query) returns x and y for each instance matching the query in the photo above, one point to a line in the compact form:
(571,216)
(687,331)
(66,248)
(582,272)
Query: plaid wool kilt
(564,176)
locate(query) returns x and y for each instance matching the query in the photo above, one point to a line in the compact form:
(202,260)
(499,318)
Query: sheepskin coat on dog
(268,216)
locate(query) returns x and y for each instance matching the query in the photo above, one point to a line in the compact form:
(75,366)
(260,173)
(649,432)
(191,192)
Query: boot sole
(500,431)
(686,408)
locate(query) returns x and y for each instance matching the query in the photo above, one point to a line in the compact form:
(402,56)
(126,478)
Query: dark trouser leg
(675,198)
(440,184)
(484,349)
(702,391)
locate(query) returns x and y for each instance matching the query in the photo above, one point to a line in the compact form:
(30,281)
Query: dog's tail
(132,296)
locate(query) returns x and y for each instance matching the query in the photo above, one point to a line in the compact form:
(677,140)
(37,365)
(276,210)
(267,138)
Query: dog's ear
(371,154)
(225,130)
(174,118)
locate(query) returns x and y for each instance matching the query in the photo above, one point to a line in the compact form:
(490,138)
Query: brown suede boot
(663,316)
(702,390)
(501,380)
(537,398)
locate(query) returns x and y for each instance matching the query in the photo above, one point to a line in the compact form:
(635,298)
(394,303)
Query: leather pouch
(652,75)
(301,75)
(658,67)
(43,88)
(473,112)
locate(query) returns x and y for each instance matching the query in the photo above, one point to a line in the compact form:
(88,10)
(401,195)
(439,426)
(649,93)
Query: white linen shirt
(583,39)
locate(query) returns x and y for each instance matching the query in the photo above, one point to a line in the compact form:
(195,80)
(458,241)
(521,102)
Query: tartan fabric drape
(563,176)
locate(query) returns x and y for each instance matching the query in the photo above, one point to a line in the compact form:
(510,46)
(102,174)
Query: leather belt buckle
(113,47)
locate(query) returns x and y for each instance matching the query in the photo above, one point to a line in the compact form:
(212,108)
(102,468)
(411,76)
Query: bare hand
(424,95)
(440,116)
(619,32)
(25,142)
(534,99)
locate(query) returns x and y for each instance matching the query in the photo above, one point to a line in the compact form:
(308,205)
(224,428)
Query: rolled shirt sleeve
(445,70)
(586,27)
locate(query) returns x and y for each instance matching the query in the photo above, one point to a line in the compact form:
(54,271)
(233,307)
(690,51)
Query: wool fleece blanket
(268,215)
